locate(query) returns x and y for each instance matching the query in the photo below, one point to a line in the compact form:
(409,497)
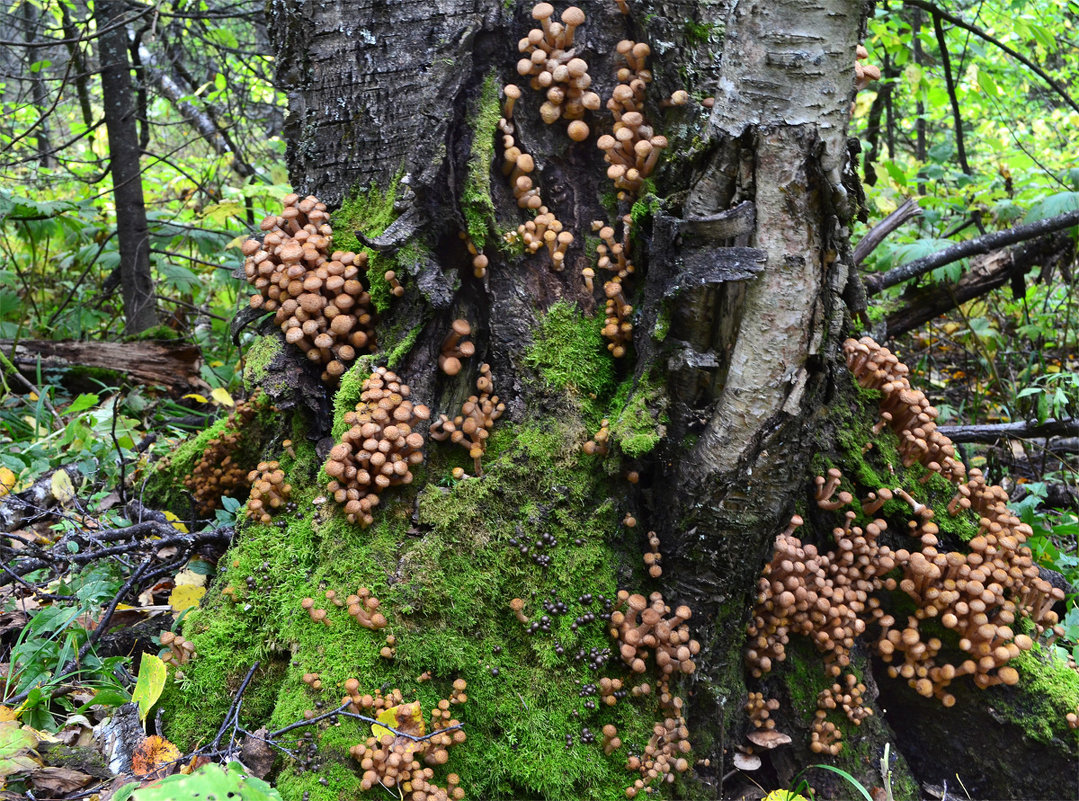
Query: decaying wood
(1019,430)
(879,232)
(986,273)
(173,365)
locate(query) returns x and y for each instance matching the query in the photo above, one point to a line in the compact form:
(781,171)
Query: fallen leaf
(7,481)
(256,753)
(59,780)
(61,487)
(186,596)
(407,718)
(176,522)
(221,397)
(155,755)
(16,745)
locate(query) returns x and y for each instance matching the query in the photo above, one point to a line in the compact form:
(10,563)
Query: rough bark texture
(730,401)
(124,152)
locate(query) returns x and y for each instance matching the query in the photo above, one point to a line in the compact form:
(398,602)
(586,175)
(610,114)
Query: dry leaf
(154,757)
(186,596)
(59,780)
(256,754)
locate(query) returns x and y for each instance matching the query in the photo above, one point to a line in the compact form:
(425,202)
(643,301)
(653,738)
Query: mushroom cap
(746,761)
(574,16)
(542,11)
(577,131)
(768,738)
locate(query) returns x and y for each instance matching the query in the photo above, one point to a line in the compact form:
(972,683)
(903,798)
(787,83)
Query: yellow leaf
(783,795)
(196,396)
(150,684)
(62,488)
(951,328)
(190,578)
(407,718)
(176,524)
(7,481)
(7,713)
(186,596)
(33,396)
(222,397)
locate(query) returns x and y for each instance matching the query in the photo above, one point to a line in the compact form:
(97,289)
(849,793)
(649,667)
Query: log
(1019,430)
(173,365)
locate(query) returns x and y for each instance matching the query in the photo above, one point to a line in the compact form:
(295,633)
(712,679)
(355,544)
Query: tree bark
(140,312)
(732,392)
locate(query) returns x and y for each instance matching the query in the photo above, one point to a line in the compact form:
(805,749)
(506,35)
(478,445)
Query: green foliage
(208,783)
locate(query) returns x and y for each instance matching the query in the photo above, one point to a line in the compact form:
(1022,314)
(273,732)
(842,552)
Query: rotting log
(172,365)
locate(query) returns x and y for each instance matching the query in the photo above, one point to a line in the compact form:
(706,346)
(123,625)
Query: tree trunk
(730,400)
(136,281)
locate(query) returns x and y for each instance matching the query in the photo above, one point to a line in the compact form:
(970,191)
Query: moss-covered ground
(444,559)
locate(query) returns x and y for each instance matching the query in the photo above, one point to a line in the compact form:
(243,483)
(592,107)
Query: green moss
(1050,690)
(570,353)
(639,416)
(154,332)
(259,356)
(663,324)
(403,346)
(697,33)
(645,207)
(370,211)
(440,561)
(348,392)
(476,203)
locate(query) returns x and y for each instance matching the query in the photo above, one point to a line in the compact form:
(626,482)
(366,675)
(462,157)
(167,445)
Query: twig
(1018,430)
(341,712)
(232,716)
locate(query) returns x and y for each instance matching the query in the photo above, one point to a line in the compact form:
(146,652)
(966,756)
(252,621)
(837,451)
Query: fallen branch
(987,273)
(982,244)
(1020,430)
(879,232)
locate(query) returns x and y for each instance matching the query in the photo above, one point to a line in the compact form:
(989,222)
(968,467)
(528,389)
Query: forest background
(970,133)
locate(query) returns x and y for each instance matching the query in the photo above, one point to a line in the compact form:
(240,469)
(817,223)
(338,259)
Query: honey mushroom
(269,492)
(180,650)
(550,63)
(831,597)
(454,349)
(317,297)
(216,473)
(402,760)
(479,261)
(599,444)
(378,449)
(472,427)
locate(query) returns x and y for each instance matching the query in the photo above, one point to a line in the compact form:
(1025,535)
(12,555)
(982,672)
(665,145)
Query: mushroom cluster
(617,327)
(600,442)
(632,149)
(759,710)
(217,473)
(664,755)
(363,608)
(644,628)
(317,296)
(864,74)
(316,614)
(545,229)
(837,596)
(180,650)
(471,428)
(479,260)
(455,347)
(905,409)
(269,492)
(378,449)
(552,66)
(398,760)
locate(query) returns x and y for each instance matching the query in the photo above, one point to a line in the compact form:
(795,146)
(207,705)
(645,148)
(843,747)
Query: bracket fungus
(378,449)
(317,296)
